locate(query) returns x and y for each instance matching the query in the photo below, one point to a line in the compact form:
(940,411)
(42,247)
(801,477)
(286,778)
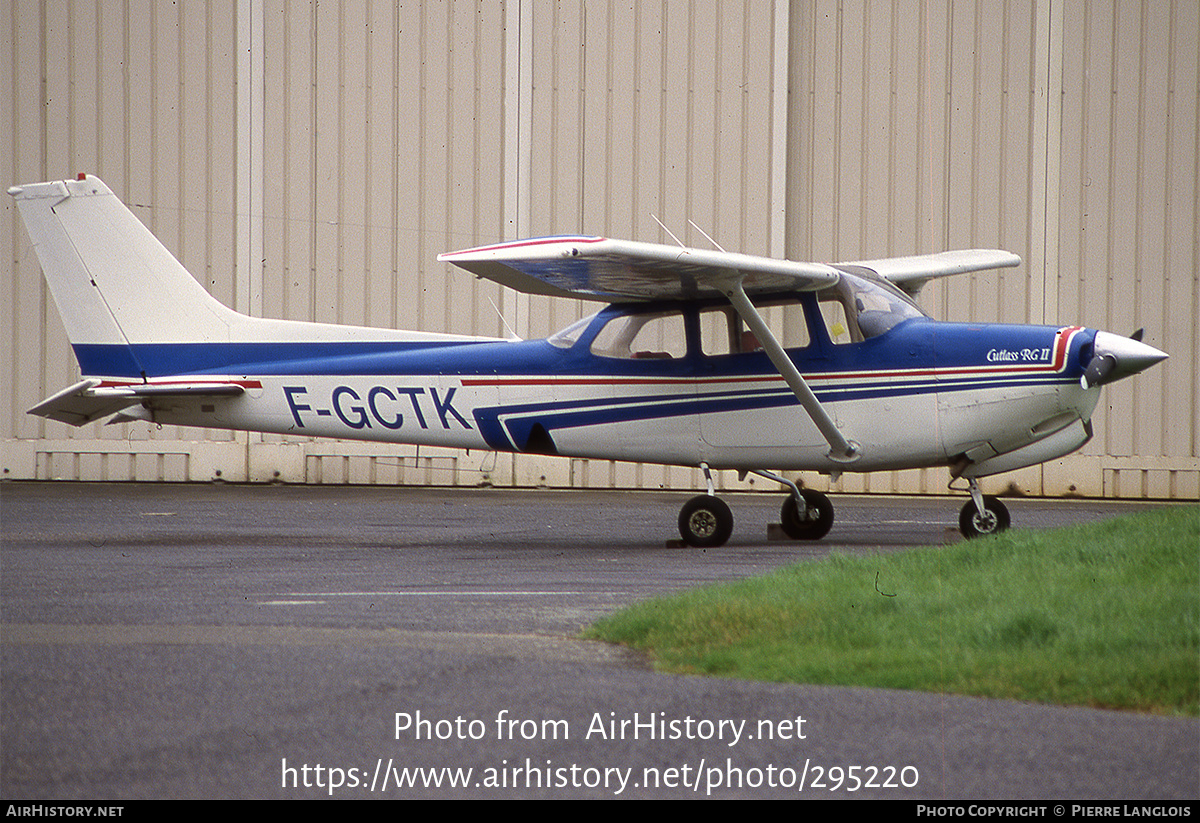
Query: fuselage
(917,393)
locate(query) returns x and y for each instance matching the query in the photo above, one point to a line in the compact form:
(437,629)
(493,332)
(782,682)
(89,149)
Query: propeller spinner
(1116,357)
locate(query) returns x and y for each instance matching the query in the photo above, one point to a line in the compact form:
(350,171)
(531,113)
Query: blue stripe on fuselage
(910,352)
(532,357)
(264,359)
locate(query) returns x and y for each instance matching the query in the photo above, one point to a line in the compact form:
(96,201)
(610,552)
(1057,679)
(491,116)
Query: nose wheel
(983,515)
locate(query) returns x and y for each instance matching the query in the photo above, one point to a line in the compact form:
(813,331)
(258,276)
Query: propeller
(1115,357)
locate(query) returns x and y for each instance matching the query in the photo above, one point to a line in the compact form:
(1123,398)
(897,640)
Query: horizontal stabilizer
(90,400)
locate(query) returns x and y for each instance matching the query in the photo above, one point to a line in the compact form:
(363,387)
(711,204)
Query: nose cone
(1115,357)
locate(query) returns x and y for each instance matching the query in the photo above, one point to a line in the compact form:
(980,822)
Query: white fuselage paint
(894,431)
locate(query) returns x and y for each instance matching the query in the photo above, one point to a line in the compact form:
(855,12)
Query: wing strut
(841,450)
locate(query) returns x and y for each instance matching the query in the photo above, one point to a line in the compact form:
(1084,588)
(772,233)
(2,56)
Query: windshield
(876,304)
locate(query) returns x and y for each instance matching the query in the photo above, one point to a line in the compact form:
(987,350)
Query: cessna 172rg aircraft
(701,358)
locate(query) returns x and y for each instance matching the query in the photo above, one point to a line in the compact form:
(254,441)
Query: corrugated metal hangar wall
(310,160)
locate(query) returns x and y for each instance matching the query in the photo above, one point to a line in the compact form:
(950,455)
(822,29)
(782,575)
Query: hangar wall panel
(310,160)
(1065,132)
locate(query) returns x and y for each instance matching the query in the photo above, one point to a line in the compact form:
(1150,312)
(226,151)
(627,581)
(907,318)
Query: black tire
(816,520)
(993,520)
(705,522)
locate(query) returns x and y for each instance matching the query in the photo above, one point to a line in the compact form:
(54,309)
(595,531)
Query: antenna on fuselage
(691,223)
(668,231)
(512,335)
(706,237)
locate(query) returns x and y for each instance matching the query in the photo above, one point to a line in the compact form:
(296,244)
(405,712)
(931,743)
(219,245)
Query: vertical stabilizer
(112,280)
(130,308)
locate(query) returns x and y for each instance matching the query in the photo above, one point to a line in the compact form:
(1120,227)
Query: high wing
(93,399)
(597,268)
(912,273)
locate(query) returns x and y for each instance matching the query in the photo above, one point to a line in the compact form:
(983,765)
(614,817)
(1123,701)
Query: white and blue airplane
(701,358)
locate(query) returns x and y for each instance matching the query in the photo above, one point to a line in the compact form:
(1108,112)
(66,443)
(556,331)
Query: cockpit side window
(837,320)
(718,330)
(722,331)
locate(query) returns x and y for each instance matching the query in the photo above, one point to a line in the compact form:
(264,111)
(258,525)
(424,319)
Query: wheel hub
(986,521)
(703,523)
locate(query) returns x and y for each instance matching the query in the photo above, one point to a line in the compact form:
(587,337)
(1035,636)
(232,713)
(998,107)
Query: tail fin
(112,280)
(132,310)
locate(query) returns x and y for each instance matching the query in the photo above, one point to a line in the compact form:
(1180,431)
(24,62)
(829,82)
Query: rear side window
(642,337)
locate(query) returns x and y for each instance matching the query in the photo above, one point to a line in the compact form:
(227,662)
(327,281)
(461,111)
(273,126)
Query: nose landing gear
(983,515)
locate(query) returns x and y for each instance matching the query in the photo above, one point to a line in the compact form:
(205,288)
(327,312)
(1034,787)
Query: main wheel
(811,524)
(992,520)
(705,521)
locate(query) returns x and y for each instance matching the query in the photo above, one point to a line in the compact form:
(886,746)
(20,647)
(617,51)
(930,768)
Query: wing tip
(521,247)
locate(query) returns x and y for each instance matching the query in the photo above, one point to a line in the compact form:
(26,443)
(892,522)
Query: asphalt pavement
(223,641)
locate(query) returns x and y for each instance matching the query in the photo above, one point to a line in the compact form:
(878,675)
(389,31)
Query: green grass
(1104,615)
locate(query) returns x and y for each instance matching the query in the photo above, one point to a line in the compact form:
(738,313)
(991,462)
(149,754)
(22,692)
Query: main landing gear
(706,521)
(811,520)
